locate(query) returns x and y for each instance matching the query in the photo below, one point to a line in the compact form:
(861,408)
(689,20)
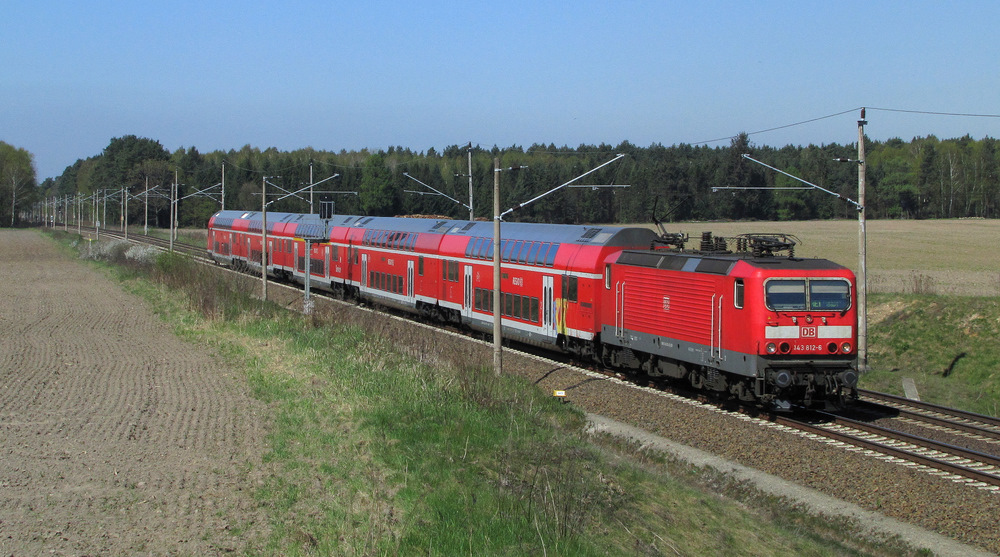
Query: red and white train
(773,329)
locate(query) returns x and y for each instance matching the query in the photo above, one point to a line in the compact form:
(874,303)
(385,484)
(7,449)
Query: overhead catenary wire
(841,113)
(963,114)
(848,111)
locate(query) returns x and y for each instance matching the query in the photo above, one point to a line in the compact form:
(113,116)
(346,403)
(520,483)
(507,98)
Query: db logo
(808,332)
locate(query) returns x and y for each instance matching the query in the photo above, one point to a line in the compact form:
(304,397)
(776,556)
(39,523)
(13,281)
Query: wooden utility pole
(862,253)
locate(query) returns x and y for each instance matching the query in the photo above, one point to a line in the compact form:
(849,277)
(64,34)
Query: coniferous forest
(918,179)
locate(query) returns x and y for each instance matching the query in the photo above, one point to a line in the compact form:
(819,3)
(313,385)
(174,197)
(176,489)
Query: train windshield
(807,294)
(829,295)
(785,295)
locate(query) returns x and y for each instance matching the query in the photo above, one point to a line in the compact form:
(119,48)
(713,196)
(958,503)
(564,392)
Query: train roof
(560,233)
(721,264)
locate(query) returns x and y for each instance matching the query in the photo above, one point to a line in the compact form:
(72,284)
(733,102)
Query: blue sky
(349,75)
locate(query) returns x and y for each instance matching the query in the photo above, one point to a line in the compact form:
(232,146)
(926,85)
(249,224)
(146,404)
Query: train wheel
(697,379)
(606,357)
(744,392)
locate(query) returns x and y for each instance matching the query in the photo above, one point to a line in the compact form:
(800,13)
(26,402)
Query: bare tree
(16,169)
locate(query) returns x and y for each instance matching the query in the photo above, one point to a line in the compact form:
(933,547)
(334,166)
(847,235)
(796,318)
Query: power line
(936,113)
(927,112)
(780,127)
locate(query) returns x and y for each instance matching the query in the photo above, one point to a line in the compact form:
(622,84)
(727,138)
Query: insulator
(706,241)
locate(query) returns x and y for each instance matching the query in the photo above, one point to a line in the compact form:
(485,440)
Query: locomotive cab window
(829,295)
(738,294)
(785,295)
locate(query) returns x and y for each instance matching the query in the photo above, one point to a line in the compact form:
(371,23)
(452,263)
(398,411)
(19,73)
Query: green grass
(947,344)
(372,452)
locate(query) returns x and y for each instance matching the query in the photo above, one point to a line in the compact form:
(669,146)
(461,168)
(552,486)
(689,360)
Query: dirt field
(115,436)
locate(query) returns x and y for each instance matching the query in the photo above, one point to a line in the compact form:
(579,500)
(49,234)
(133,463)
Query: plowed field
(116,437)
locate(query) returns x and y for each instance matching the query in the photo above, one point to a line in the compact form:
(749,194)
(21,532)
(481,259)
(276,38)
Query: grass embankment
(947,344)
(376,448)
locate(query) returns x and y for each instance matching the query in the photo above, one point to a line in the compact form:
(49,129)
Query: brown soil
(116,437)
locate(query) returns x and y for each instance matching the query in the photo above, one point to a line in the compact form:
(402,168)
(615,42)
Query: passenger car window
(533,254)
(550,257)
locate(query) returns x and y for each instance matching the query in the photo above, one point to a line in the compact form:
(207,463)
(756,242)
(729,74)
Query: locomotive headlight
(771,348)
(846,347)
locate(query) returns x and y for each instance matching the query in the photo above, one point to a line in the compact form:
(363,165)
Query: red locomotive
(773,329)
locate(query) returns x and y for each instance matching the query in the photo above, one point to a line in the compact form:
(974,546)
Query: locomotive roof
(720,264)
(560,233)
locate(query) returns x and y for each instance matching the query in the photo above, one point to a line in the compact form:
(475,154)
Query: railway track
(936,415)
(971,467)
(961,464)
(977,469)
(198,252)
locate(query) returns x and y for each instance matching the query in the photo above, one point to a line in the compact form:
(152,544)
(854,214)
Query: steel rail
(945,423)
(905,454)
(929,407)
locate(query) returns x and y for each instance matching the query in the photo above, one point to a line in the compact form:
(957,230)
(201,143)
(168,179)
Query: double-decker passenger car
(777,330)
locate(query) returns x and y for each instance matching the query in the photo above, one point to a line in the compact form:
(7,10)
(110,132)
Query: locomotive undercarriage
(803,383)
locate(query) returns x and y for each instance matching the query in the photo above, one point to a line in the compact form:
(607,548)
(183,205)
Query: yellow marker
(560,394)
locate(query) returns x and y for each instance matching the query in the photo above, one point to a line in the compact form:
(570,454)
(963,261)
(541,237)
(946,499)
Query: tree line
(923,178)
